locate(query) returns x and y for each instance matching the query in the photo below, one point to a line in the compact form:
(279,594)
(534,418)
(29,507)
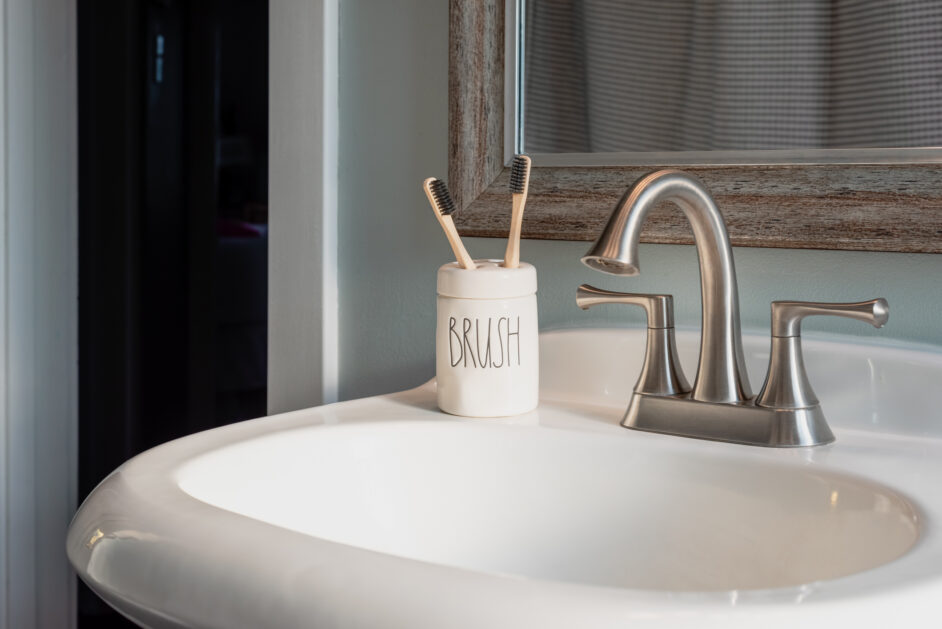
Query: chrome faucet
(720,406)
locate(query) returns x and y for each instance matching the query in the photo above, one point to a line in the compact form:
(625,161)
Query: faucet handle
(786,383)
(661,373)
(658,308)
(787,315)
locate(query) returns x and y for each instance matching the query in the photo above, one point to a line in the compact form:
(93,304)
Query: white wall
(394,115)
(38,311)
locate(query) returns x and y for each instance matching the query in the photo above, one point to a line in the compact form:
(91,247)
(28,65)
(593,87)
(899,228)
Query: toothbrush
(519,185)
(444,206)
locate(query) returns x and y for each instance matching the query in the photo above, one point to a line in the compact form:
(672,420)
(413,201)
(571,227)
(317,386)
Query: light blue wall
(393,132)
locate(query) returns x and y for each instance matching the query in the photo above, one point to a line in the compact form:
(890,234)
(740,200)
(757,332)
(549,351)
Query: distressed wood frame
(850,206)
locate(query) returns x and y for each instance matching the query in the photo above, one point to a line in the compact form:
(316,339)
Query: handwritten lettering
(486,344)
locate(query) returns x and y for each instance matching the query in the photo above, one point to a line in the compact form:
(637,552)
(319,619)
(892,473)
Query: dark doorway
(173,246)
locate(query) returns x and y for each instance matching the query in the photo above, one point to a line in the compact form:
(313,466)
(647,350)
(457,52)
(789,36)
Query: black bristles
(442,197)
(519,171)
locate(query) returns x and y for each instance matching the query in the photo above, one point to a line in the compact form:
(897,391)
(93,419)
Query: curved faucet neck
(721,374)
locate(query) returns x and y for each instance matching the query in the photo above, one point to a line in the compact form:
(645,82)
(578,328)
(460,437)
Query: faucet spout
(721,374)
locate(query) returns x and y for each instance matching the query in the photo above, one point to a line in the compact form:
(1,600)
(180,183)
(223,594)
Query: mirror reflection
(698,75)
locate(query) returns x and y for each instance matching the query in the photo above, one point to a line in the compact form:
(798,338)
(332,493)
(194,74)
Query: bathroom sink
(553,504)
(384,512)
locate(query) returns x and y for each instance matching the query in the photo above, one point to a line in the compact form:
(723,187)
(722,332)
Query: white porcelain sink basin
(583,508)
(384,512)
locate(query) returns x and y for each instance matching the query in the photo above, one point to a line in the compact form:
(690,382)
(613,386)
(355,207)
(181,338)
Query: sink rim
(148,491)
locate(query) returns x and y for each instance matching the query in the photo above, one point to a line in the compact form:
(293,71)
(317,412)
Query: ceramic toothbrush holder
(487,345)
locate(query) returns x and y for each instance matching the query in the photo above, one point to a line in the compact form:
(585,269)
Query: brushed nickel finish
(658,308)
(721,374)
(786,383)
(787,315)
(720,407)
(661,373)
(745,424)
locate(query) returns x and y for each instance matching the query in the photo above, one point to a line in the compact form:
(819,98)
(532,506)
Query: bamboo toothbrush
(444,206)
(519,185)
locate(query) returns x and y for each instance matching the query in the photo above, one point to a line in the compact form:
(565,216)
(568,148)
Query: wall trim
(38,310)
(303,350)
(5,567)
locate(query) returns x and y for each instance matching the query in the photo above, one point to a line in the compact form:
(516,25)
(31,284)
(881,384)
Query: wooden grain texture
(476,97)
(859,207)
(865,207)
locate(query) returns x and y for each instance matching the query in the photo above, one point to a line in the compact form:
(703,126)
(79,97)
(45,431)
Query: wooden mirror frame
(851,206)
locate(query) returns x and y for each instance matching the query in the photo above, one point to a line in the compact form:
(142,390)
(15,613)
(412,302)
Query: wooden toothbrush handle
(451,232)
(448,225)
(512,254)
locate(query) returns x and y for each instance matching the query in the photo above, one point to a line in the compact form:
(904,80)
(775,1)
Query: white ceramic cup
(487,340)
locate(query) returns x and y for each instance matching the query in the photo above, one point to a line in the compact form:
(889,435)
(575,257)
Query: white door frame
(39,275)
(38,310)
(302,183)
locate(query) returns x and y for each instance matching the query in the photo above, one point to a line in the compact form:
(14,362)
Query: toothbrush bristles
(443,200)
(519,171)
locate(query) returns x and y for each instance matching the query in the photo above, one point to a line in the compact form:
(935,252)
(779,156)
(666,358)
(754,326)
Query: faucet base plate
(734,423)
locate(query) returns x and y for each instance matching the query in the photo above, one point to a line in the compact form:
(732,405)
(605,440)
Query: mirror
(793,195)
(706,75)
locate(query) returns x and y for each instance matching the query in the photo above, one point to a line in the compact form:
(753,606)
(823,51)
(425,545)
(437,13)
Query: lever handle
(787,315)
(659,308)
(661,373)
(786,383)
